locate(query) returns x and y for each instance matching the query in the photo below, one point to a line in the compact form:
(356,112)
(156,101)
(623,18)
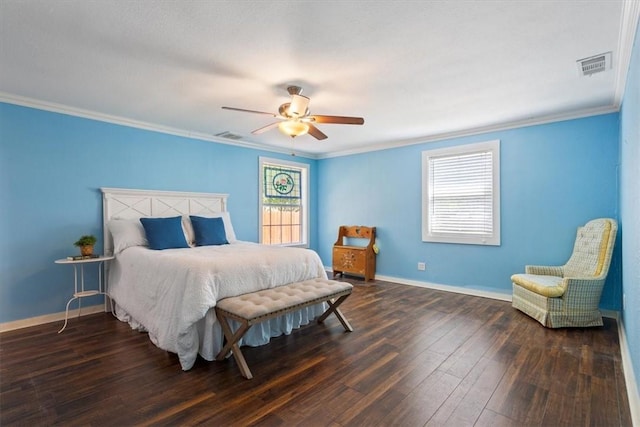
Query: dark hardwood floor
(416,357)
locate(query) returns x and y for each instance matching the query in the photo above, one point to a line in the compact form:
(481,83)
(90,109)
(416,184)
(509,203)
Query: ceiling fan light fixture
(298,106)
(296,119)
(293,128)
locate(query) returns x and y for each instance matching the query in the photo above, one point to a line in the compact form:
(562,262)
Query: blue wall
(51,168)
(554,178)
(630,204)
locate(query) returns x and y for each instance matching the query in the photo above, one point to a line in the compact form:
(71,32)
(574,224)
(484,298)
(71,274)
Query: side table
(81,293)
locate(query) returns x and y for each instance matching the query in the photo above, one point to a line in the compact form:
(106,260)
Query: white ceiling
(415,70)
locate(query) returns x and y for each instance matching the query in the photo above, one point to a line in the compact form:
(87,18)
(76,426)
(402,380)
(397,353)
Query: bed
(171,293)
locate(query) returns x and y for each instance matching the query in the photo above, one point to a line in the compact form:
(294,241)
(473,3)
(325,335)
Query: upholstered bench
(256,307)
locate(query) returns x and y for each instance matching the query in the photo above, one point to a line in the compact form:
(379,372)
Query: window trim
(305,173)
(487,239)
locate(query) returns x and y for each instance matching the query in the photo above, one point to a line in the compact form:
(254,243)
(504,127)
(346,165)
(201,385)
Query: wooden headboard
(124,203)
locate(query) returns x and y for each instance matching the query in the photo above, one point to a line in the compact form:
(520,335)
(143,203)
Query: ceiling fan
(295,119)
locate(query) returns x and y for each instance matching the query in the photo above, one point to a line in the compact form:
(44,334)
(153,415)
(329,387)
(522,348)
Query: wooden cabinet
(351,259)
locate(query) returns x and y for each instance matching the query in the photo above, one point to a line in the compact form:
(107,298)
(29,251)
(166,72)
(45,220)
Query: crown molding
(92,115)
(628,25)
(123,121)
(476,131)
(629,22)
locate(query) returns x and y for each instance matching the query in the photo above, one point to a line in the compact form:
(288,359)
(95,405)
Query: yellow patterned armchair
(569,295)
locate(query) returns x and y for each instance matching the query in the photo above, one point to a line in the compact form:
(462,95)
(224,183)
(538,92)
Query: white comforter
(170,293)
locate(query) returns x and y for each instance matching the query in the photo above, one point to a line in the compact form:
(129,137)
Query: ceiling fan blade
(249,111)
(265,128)
(315,132)
(343,120)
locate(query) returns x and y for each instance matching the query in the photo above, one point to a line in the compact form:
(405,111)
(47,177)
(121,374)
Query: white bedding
(170,293)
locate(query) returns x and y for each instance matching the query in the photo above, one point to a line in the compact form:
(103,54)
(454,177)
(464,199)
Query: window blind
(461,194)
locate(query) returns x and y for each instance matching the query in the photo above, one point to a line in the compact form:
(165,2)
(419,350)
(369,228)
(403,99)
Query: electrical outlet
(422,266)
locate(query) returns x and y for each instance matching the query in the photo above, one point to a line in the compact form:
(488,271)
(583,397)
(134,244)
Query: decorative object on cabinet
(85,243)
(359,260)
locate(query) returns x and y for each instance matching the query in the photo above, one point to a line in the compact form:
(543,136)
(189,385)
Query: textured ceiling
(415,70)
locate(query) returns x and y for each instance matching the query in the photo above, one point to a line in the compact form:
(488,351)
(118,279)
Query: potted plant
(85,243)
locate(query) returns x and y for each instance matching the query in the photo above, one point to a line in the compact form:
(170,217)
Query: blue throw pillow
(164,233)
(208,231)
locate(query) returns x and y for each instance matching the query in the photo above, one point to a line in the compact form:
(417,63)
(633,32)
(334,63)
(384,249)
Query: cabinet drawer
(350,259)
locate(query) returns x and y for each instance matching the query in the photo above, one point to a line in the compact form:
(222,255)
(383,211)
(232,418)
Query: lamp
(293,128)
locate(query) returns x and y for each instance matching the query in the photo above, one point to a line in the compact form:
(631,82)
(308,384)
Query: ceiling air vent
(229,135)
(594,64)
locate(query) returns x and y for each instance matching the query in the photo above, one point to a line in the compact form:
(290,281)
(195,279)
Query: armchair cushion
(548,286)
(590,250)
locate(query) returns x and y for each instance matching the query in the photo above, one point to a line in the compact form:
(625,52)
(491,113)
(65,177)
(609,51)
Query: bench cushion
(254,305)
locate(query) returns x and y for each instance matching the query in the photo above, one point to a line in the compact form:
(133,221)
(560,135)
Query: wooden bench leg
(232,339)
(232,345)
(333,308)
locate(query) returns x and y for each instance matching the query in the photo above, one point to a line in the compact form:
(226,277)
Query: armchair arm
(544,270)
(583,293)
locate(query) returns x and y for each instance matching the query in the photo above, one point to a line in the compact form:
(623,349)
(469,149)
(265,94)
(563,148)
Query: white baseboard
(447,288)
(462,290)
(48,318)
(629,375)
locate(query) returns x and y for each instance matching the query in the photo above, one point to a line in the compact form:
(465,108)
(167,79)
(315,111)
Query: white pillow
(189,234)
(226,219)
(126,233)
